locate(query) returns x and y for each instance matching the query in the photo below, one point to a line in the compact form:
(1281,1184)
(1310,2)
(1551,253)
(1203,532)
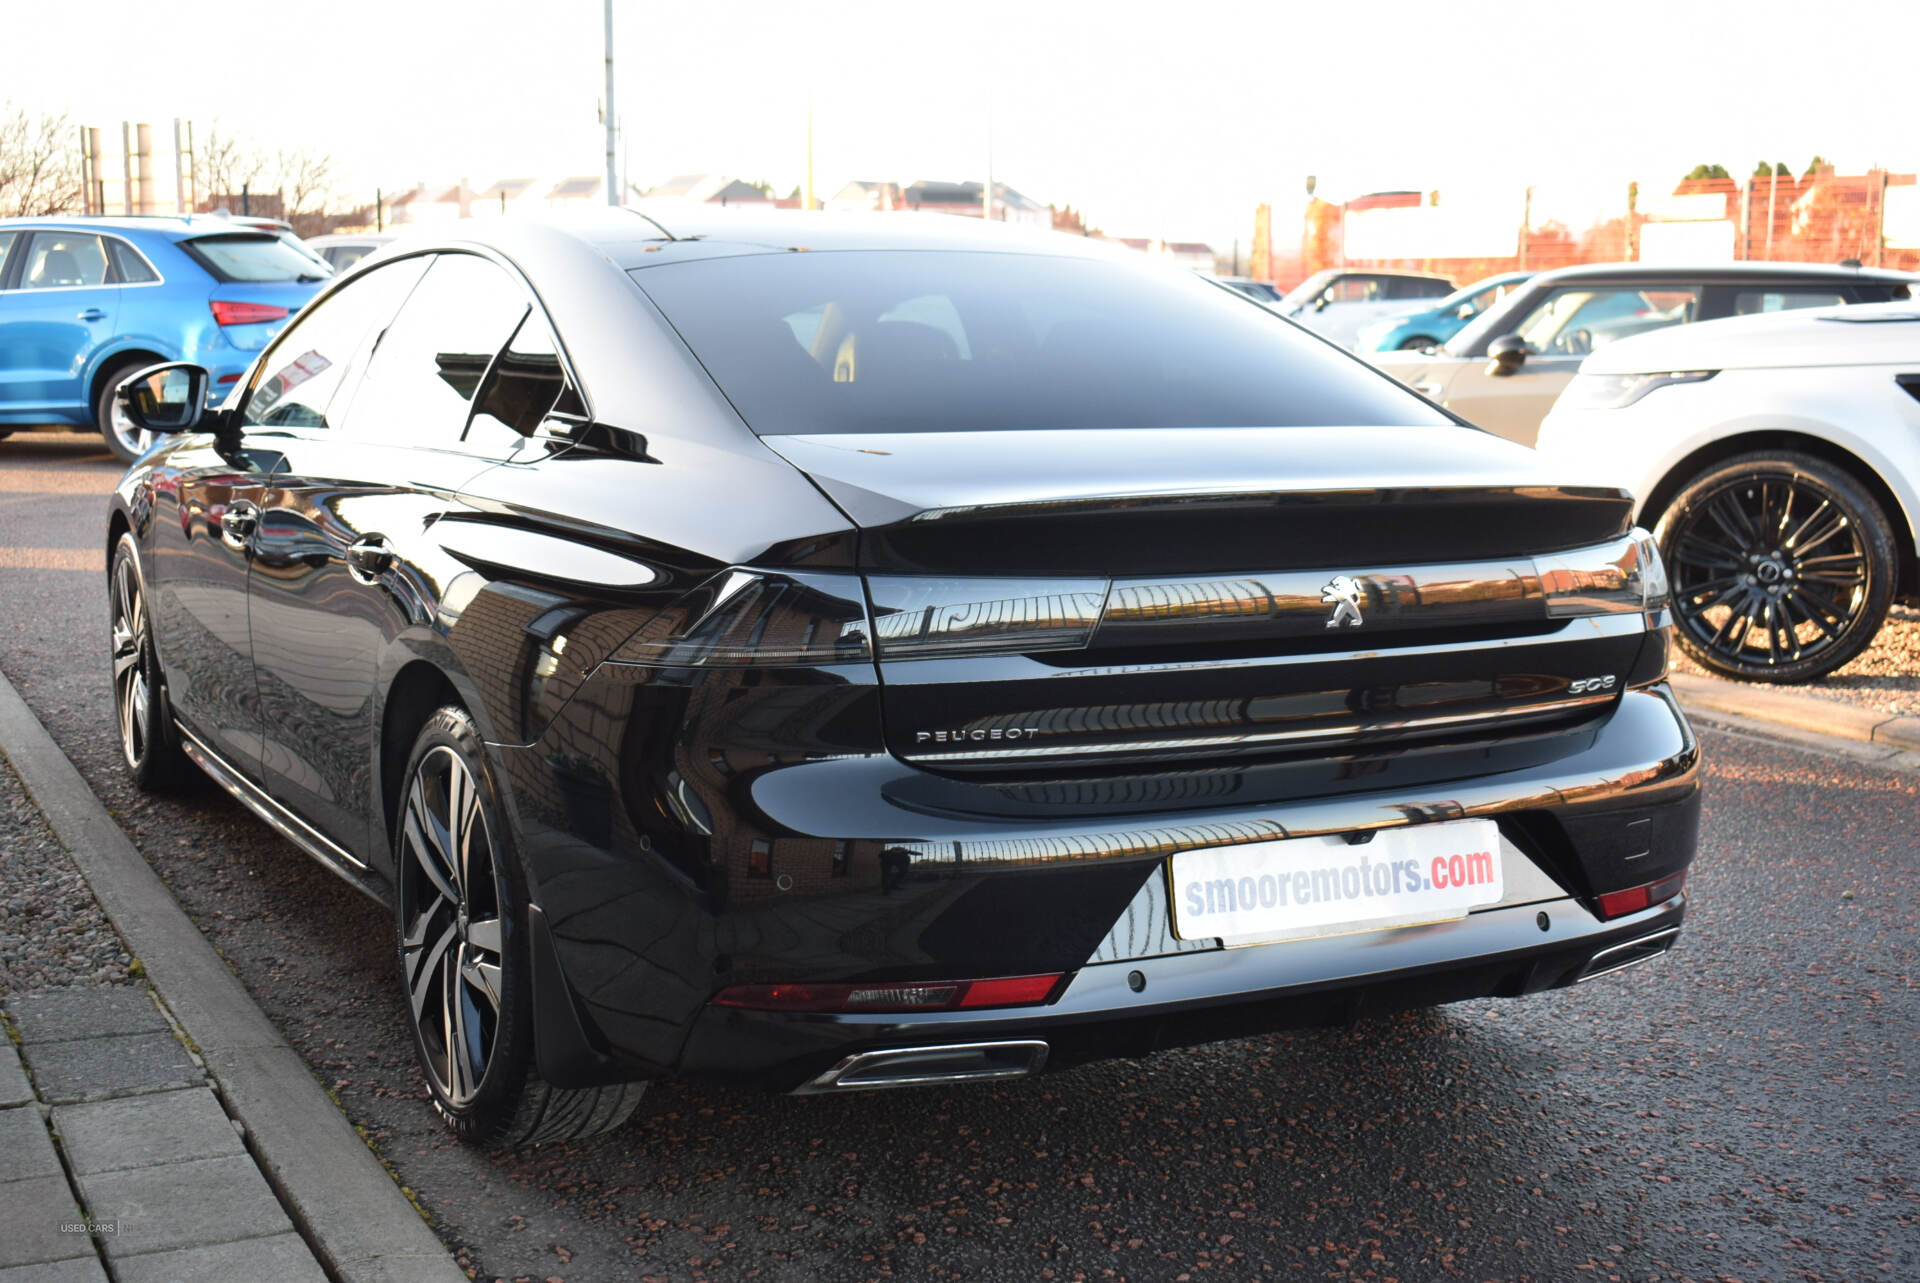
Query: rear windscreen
(252,258)
(909,341)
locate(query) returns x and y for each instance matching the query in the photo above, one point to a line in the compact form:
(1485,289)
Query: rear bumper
(1184,999)
(655,894)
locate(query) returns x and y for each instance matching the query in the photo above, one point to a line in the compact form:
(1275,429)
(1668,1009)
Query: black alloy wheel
(1782,567)
(460,904)
(148,741)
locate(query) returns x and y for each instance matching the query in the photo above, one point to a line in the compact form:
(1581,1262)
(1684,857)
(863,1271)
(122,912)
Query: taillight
(1618,904)
(916,618)
(758,619)
(940,995)
(226,312)
(1610,579)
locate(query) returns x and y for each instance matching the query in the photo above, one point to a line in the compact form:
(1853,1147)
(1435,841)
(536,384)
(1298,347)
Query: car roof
(351,238)
(176,227)
(1712,272)
(1381,271)
(652,233)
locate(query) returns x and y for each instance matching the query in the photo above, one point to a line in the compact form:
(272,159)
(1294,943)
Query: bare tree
(295,183)
(39,163)
(308,186)
(223,166)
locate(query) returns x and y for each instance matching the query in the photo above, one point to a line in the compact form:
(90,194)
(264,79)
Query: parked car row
(85,302)
(958,652)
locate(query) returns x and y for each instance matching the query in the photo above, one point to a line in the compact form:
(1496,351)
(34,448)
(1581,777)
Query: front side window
(65,260)
(931,341)
(252,258)
(1356,289)
(421,380)
(308,364)
(1577,319)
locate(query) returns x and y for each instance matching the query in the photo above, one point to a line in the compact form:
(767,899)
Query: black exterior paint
(690,826)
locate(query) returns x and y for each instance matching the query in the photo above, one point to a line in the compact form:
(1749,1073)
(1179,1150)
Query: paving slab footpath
(176,1139)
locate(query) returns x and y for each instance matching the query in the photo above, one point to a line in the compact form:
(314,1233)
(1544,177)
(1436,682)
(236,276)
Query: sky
(1153,119)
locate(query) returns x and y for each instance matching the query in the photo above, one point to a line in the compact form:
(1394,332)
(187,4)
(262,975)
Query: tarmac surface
(1743,1108)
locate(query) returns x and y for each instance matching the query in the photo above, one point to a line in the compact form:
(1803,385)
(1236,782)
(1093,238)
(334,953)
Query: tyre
(148,742)
(1418,343)
(460,900)
(1782,567)
(121,436)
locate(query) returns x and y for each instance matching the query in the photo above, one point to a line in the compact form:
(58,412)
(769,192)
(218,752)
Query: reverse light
(227,312)
(1617,391)
(943,995)
(1617,904)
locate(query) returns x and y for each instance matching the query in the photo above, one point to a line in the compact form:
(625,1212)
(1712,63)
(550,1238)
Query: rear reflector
(226,312)
(228,378)
(944,995)
(1617,904)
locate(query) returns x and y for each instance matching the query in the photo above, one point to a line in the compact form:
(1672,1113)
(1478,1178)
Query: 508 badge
(1587,685)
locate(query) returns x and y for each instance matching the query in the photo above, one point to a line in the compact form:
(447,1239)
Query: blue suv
(84,302)
(1435,325)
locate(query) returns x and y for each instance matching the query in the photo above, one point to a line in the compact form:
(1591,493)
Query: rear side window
(314,357)
(1748,302)
(132,269)
(64,260)
(251,258)
(911,341)
(6,248)
(526,385)
(344,256)
(422,377)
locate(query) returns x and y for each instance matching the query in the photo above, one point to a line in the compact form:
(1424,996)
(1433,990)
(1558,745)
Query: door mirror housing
(1465,312)
(166,398)
(1320,304)
(1506,354)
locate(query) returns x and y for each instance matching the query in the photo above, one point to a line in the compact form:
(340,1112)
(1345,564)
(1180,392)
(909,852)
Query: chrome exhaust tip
(1630,953)
(966,1062)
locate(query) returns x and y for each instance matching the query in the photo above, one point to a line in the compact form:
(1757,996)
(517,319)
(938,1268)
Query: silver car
(1504,371)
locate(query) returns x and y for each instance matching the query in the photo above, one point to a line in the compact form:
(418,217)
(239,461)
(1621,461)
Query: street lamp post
(613,187)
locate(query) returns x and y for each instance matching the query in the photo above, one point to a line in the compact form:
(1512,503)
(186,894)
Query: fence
(1819,216)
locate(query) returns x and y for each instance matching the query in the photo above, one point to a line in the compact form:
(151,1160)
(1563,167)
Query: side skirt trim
(289,826)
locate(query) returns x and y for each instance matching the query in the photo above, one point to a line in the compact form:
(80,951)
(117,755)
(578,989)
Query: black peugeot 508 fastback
(838,653)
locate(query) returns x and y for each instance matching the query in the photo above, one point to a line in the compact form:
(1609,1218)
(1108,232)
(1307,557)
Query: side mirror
(1465,312)
(1320,304)
(1506,354)
(165,398)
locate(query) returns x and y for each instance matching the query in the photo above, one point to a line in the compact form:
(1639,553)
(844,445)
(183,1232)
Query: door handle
(238,523)
(93,314)
(369,558)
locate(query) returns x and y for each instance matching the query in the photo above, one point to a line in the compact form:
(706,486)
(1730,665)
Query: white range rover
(1777,457)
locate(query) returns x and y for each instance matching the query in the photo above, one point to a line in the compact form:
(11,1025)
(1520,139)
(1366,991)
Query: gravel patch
(1885,677)
(53,933)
